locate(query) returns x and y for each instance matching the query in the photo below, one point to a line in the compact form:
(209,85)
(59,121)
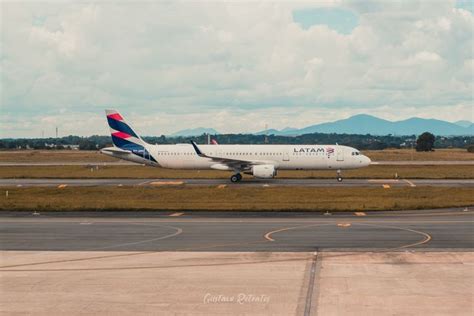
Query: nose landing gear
(339,176)
(236,178)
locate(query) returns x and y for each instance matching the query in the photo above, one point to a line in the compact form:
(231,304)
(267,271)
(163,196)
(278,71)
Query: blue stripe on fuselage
(125,144)
(135,149)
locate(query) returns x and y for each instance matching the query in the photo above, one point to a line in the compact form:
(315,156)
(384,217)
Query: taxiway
(244,182)
(219,231)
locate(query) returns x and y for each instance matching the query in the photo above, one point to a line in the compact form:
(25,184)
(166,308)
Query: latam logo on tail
(126,139)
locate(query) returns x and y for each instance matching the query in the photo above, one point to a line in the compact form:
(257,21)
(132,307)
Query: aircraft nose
(367,160)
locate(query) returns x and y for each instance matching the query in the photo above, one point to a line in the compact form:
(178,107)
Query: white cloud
(232,66)
(422,57)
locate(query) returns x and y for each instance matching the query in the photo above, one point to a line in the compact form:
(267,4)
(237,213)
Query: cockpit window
(355,153)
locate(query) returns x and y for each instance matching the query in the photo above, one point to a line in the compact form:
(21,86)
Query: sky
(232,66)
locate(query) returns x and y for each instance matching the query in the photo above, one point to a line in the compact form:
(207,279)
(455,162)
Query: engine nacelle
(264,171)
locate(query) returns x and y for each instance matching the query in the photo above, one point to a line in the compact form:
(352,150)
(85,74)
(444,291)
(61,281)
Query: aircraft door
(286,156)
(340,153)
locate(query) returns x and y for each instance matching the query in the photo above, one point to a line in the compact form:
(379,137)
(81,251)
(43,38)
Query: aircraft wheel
(239,176)
(235,178)
(339,179)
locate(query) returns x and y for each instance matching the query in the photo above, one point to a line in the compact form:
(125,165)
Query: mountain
(287,131)
(361,124)
(463,123)
(358,124)
(368,124)
(195,132)
(270,131)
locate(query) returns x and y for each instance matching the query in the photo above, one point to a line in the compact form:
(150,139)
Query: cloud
(340,20)
(423,57)
(232,66)
(467,5)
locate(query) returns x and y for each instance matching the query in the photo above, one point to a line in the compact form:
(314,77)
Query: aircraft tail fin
(123,135)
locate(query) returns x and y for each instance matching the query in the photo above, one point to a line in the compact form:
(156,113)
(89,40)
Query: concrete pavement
(237,283)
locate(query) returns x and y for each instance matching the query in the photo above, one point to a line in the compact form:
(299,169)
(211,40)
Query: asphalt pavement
(127,163)
(244,182)
(238,231)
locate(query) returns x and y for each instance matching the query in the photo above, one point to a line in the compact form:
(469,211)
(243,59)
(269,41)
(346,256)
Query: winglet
(198,151)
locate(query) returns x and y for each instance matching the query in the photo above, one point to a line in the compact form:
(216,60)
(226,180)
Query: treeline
(363,142)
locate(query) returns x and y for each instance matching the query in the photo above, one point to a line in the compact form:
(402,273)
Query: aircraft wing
(240,164)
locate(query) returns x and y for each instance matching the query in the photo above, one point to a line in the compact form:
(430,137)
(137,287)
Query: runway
(244,182)
(451,229)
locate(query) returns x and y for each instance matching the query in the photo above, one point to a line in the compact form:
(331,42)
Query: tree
(425,142)
(86,144)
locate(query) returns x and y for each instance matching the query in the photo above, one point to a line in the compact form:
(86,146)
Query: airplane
(260,161)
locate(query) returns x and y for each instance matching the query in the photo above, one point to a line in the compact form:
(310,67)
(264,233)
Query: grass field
(408,154)
(95,156)
(143,172)
(54,156)
(243,199)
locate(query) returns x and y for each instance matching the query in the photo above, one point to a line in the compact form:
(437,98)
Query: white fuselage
(282,157)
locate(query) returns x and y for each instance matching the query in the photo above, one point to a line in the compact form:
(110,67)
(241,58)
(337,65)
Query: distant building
(72,147)
(66,146)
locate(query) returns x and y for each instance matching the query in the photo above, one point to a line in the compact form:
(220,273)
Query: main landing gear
(236,178)
(339,176)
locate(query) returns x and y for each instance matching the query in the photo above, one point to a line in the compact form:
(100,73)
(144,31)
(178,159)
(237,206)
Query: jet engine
(264,171)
